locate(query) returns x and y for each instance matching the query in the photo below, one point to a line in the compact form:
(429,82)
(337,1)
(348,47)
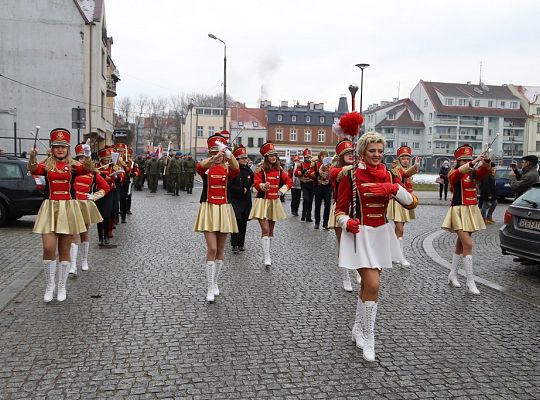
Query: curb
(17,286)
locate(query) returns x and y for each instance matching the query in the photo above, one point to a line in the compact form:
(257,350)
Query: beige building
(529,96)
(199,124)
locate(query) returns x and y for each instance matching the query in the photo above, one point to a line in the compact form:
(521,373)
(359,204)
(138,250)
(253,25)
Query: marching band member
(240,196)
(322,190)
(464,216)
(369,243)
(396,212)
(296,189)
(59,217)
(132,171)
(307,184)
(89,187)
(271,181)
(216,216)
(105,204)
(343,164)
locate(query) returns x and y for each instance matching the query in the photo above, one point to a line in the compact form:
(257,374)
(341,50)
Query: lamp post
(224,79)
(361,66)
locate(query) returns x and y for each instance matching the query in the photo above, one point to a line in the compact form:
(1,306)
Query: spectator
(488,196)
(520,182)
(443,179)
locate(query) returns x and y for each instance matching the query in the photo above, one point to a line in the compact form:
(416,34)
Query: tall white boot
(370,313)
(49,268)
(346,279)
(468,266)
(357,330)
(452,276)
(270,241)
(73,254)
(219,267)
(403,261)
(265,240)
(62,279)
(210,271)
(85,247)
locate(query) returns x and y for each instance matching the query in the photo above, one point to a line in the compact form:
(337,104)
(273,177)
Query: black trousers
(443,186)
(295,200)
(123,194)
(322,193)
(307,196)
(238,239)
(104,205)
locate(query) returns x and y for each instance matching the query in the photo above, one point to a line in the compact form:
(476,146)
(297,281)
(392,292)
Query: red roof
(247,116)
(404,121)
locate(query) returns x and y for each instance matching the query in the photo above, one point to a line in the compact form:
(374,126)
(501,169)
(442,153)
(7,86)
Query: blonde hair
(368,138)
(50,162)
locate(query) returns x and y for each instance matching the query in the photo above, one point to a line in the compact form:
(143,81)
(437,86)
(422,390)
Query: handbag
(439,180)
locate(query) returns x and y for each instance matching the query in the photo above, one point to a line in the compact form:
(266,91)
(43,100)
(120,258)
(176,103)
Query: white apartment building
(530,102)
(200,123)
(249,128)
(56,56)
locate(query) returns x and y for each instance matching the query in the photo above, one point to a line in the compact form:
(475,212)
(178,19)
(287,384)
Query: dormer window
(293,118)
(503,104)
(308,118)
(279,117)
(391,116)
(461,102)
(514,104)
(449,102)
(240,123)
(417,117)
(255,124)
(321,120)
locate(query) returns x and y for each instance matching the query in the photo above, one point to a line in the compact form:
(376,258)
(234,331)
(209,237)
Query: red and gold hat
(404,151)
(306,152)
(120,147)
(296,158)
(464,152)
(79,151)
(344,146)
(267,149)
(225,134)
(106,153)
(60,137)
(240,151)
(213,140)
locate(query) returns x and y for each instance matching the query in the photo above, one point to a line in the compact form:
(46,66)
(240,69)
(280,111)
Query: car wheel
(3,213)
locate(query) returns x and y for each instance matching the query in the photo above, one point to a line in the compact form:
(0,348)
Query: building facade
(200,123)
(249,128)
(56,56)
(529,97)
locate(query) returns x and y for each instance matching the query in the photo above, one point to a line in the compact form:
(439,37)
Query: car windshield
(531,198)
(502,174)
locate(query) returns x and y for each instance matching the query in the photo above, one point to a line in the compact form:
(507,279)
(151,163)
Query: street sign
(120,133)
(78,118)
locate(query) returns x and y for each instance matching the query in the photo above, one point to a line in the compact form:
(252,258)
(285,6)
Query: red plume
(350,123)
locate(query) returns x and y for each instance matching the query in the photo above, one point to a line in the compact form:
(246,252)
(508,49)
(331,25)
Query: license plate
(529,224)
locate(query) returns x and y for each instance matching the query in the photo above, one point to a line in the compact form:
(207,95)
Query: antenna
(480,73)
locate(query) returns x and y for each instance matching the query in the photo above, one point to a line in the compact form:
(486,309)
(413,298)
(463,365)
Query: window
(461,102)
(240,123)
(321,120)
(490,132)
(239,140)
(537,110)
(417,131)
(211,131)
(430,130)
(279,134)
(477,103)
(490,103)
(10,171)
(391,116)
(503,104)
(103,63)
(537,146)
(321,136)
(279,117)
(293,135)
(431,116)
(404,144)
(293,118)
(538,127)
(403,131)
(389,130)
(250,142)
(417,117)
(200,131)
(255,124)
(390,144)
(307,135)
(514,104)
(102,105)
(260,141)
(425,103)
(416,145)
(449,102)
(429,145)
(308,118)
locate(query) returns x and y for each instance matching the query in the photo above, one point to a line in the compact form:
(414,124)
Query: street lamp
(224,79)
(361,66)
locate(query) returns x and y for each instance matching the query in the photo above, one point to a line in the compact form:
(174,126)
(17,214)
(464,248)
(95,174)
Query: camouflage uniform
(189,170)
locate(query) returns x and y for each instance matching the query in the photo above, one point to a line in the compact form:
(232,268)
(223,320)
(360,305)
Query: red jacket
(58,181)
(463,183)
(275,179)
(215,182)
(303,172)
(84,184)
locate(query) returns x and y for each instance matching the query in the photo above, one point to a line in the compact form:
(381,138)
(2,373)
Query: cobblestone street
(136,325)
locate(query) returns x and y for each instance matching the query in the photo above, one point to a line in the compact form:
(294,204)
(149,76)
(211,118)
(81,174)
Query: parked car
(520,234)
(20,193)
(502,183)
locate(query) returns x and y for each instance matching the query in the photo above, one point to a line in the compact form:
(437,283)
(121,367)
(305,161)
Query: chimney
(319,106)
(265,103)
(284,103)
(343,106)
(311,105)
(395,99)
(468,83)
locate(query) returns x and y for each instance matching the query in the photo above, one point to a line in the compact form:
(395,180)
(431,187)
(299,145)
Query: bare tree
(141,106)
(178,110)
(125,108)
(158,108)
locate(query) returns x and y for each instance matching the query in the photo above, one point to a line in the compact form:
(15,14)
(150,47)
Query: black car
(20,192)
(520,234)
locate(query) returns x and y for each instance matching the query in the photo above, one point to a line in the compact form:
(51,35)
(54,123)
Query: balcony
(389,135)
(111,87)
(445,136)
(445,121)
(471,122)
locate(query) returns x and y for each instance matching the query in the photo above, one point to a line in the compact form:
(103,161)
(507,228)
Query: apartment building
(529,96)
(249,128)
(200,123)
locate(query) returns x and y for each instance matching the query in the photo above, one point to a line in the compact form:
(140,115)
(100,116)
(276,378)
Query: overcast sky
(307,50)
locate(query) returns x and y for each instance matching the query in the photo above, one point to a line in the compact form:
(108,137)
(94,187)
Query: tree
(140,109)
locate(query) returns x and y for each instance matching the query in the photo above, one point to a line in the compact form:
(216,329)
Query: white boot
(357,330)
(73,254)
(265,240)
(404,262)
(358,277)
(49,267)
(468,266)
(452,276)
(270,241)
(219,266)
(370,312)
(85,247)
(346,279)
(210,271)
(62,279)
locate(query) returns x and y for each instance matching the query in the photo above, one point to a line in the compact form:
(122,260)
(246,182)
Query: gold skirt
(89,212)
(397,213)
(465,218)
(271,210)
(59,216)
(215,218)
(332,217)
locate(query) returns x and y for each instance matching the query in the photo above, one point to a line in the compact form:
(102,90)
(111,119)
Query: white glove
(228,153)
(90,196)
(220,145)
(284,189)
(86,149)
